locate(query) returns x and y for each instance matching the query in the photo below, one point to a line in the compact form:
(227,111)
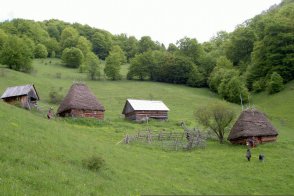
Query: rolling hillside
(40,156)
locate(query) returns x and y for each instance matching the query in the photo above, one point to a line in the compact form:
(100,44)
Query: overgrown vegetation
(94,163)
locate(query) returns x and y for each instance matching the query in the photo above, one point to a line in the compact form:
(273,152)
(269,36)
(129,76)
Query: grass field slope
(45,157)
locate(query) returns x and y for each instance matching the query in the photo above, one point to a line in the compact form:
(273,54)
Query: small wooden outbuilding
(80,102)
(135,109)
(252,125)
(25,96)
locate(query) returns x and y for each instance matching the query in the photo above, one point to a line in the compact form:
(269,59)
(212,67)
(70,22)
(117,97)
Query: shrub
(275,84)
(55,96)
(258,86)
(94,163)
(40,51)
(72,57)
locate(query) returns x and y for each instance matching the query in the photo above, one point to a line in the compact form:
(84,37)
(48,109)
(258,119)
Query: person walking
(248,154)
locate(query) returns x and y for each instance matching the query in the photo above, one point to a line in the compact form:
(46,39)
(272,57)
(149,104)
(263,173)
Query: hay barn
(135,109)
(25,96)
(80,102)
(252,124)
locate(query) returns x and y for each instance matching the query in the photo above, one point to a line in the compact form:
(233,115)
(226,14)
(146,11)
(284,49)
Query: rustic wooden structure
(80,102)
(25,96)
(252,126)
(139,110)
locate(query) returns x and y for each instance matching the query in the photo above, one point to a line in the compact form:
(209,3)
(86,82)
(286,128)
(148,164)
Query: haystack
(252,124)
(80,102)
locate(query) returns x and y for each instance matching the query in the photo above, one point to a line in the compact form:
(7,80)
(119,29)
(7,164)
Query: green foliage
(275,84)
(172,48)
(274,49)
(223,62)
(145,44)
(3,38)
(196,78)
(72,57)
(216,116)
(113,64)
(17,54)
(240,45)
(40,51)
(53,46)
(84,45)
(190,48)
(141,66)
(93,64)
(101,42)
(69,37)
(215,78)
(94,163)
(128,44)
(232,86)
(53,54)
(258,85)
(26,28)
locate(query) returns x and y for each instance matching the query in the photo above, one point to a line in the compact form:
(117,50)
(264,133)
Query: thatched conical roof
(80,97)
(252,123)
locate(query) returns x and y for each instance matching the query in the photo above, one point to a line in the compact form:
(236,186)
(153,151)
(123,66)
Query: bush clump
(55,96)
(94,163)
(275,84)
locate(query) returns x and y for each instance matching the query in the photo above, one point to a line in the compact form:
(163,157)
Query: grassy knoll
(38,156)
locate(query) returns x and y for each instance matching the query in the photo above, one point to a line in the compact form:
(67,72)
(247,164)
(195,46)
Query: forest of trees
(257,56)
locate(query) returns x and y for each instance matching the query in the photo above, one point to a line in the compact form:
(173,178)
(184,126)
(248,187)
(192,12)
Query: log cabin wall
(87,113)
(19,100)
(138,115)
(257,140)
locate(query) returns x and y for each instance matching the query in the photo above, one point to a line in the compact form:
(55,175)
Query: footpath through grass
(40,156)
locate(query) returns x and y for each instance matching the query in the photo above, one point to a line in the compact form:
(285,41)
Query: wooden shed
(135,109)
(25,96)
(252,125)
(80,102)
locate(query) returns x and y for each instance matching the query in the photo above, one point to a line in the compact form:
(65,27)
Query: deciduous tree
(216,116)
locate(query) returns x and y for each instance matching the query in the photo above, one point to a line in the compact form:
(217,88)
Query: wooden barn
(80,102)
(252,125)
(141,109)
(25,96)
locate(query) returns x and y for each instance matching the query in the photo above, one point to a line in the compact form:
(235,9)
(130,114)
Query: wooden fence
(177,140)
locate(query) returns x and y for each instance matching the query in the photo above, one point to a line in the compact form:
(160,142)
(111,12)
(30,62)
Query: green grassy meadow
(44,157)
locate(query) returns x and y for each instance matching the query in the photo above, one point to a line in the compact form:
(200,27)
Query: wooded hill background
(256,56)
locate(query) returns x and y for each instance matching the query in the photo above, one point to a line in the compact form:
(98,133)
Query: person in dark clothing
(248,154)
(261,157)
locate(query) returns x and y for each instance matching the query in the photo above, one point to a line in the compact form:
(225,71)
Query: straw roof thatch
(80,97)
(252,123)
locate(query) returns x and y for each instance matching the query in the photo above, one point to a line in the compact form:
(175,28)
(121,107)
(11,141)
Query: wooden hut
(253,126)
(25,96)
(141,109)
(80,102)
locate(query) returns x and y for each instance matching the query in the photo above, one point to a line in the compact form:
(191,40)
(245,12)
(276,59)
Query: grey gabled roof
(21,90)
(146,105)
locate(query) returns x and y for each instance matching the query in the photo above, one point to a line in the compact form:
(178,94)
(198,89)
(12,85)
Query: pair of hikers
(248,155)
